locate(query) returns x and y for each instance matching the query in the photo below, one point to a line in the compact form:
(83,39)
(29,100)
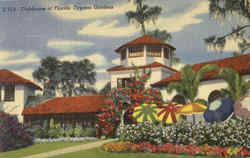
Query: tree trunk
(143,28)
(122,118)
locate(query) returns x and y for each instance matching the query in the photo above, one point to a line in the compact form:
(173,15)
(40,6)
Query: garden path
(70,149)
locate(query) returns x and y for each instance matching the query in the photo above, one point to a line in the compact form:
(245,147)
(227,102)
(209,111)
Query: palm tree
(190,81)
(143,14)
(237,86)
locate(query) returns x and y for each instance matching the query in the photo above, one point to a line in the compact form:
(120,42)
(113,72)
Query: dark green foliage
(89,132)
(215,95)
(12,133)
(179,99)
(69,78)
(201,101)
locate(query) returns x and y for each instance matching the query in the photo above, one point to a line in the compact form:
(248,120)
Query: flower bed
(176,149)
(226,134)
(65,139)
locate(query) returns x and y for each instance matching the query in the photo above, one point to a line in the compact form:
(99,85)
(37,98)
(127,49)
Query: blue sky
(28,36)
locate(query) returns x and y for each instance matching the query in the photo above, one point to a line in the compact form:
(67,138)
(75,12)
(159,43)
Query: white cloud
(74,14)
(174,23)
(68,45)
(96,58)
(177,22)
(101,70)
(12,58)
(69,58)
(100,84)
(116,61)
(98,28)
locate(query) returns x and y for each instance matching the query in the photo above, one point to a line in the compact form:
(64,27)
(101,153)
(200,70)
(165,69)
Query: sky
(70,30)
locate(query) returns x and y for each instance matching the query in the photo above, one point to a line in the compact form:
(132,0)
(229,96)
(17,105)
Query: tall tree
(143,14)
(46,74)
(224,10)
(69,78)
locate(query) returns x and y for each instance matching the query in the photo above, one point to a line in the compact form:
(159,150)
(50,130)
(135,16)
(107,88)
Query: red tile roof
(240,63)
(7,76)
(68,105)
(144,40)
(152,65)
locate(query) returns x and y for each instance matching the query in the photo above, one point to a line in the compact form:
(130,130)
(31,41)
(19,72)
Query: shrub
(142,132)
(78,131)
(89,132)
(55,131)
(12,133)
(69,131)
(40,132)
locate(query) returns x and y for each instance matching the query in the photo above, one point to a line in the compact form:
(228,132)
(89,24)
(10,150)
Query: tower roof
(144,40)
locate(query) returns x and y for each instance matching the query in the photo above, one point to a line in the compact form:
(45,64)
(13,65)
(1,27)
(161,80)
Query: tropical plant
(143,14)
(190,81)
(237,86)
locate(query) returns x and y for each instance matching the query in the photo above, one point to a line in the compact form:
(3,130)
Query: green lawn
(98,153)
(39,148)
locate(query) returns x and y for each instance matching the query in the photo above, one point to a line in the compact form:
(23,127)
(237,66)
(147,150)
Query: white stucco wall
(157,74)
(16,107)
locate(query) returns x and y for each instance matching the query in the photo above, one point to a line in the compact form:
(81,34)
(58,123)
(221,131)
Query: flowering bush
(229,133)
(142,132)
(122,101)
(12,133)
(206,149)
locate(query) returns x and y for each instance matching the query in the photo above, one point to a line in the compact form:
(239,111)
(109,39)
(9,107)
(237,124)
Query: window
(166,52)
(9,92)
(154,51)
(123,54)
(135,51)
(123,82)
(0,93)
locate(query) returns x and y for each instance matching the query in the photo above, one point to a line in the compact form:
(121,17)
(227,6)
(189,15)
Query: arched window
(179,99)
(214,95)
